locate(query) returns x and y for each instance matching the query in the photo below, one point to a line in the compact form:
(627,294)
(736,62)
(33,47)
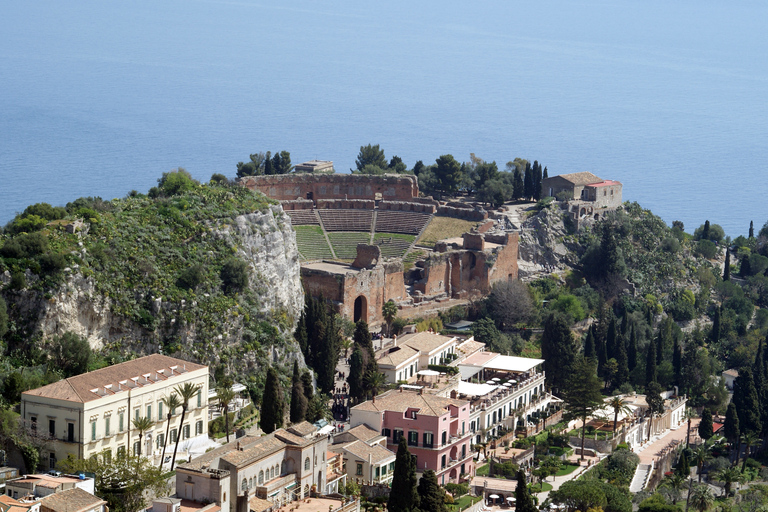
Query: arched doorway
(361,309)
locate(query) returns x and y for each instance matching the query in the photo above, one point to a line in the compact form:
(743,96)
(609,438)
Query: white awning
(325,430)
(428,373)
(471,389)
(467,371)
(512,363)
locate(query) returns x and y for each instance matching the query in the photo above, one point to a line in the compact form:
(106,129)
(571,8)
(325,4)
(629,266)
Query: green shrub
(706,249)
(176,182)
(234,276)
(191,277)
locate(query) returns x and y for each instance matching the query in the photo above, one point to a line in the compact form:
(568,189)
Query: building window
(93,431)
(136,448)
(384,470)
(160,411)
(121,422)
(244,485)
(185,432)
(261,477)
(306,464)
(106,426)
(413,438)
(427,438)
(173,435)
(398,433)
(198,428)
(463,451)
(442,462)
(136,414)
(52,461)
(445,437)
(386,432)
(391,467)
(108,455)
(120,452)
(359,471)
(149,411)
(52,428)
(70,432)
(199,398)
(378,473)
(160,440)
(33,419)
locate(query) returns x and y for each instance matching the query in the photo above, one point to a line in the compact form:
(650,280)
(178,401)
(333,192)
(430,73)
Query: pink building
(436,429)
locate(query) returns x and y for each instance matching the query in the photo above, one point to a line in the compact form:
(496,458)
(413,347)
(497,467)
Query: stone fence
(346,204)
(463,213)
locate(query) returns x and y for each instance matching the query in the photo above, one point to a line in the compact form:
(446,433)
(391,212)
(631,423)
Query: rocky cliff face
(265,241)
(268,243)
(545,245)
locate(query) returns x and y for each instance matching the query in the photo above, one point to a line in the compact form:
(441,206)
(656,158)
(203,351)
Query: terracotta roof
(209,459)
(362,432)
(259,505)
(80,387)
(605,183)
(425,341)
(194,506)
(303,429)
(397,356)
(71,500)
(363,450)
(266,445)
(733,372)
(580,178)
(401,401)
(8,504)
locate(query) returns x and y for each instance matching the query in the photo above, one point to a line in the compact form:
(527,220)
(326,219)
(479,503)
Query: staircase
(640,480)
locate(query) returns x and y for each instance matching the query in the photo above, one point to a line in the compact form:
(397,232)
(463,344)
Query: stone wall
(408,206)
(394,187)
(473,214)
(345,204)
(297,204)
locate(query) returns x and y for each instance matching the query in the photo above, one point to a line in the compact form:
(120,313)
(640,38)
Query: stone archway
(361,309)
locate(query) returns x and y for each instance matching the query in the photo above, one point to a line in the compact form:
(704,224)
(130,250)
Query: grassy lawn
(601,434)
(541,488)
(444,227)
(566,470)
(464,502)
(483,470)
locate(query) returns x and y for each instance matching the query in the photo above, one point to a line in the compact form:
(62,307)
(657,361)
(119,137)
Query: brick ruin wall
(283,187)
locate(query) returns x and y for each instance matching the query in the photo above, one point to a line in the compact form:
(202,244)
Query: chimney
(394,340)
(374,398)
(238,447)
(421,390)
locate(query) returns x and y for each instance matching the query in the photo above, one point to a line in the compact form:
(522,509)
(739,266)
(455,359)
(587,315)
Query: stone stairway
(642,473)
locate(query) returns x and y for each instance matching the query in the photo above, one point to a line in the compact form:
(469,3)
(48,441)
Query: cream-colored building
(92,413)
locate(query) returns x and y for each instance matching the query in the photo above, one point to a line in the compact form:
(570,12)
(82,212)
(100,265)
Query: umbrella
(496,379)
(494,496)
(511,498)
(507,384)
(489,382)
(513,381)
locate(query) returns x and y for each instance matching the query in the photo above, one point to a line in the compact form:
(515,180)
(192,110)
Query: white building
(92,413)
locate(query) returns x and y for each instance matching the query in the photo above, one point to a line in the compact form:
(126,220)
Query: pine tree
(272,403)
(589,345)
(705,425)
(298,399)
(431,495)
(731,429)
(582,394)
(632,349)
(650,364)
(751,229)
(523,498)
(683,467)
(403,496)
(727,267)
(715,334)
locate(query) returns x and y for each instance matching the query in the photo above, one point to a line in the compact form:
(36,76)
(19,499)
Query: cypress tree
(747,402)
(751,229)
(632,349)
(746,269)
(610,340)
(518,186)
(660,345)
(705,231)
(705,426)
(558,350)
(625,324)
(268,164)
(650,364)
(528,181)
(589,344)
(715,334)
(727,267)
(622,374)
(356,372)
(683,466)
(731,429)
(272,403)
(523,498)
(431,496)
(306,381)
(362,337)
(545,175)
(536,180)
(677,362)
(403,496)
(298,399)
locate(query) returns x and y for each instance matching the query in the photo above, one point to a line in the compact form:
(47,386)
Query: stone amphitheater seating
(303,217)
(346,220)
(410,223)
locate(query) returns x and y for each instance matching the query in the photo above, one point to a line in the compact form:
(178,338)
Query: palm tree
(700,456)
(749,439)
(619,405)
(143,425)
(728,476)
(225,396)
(701,498)
(389,312)
(186,391)
(375,381)
(170,403)
(672,487)
(689,415)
